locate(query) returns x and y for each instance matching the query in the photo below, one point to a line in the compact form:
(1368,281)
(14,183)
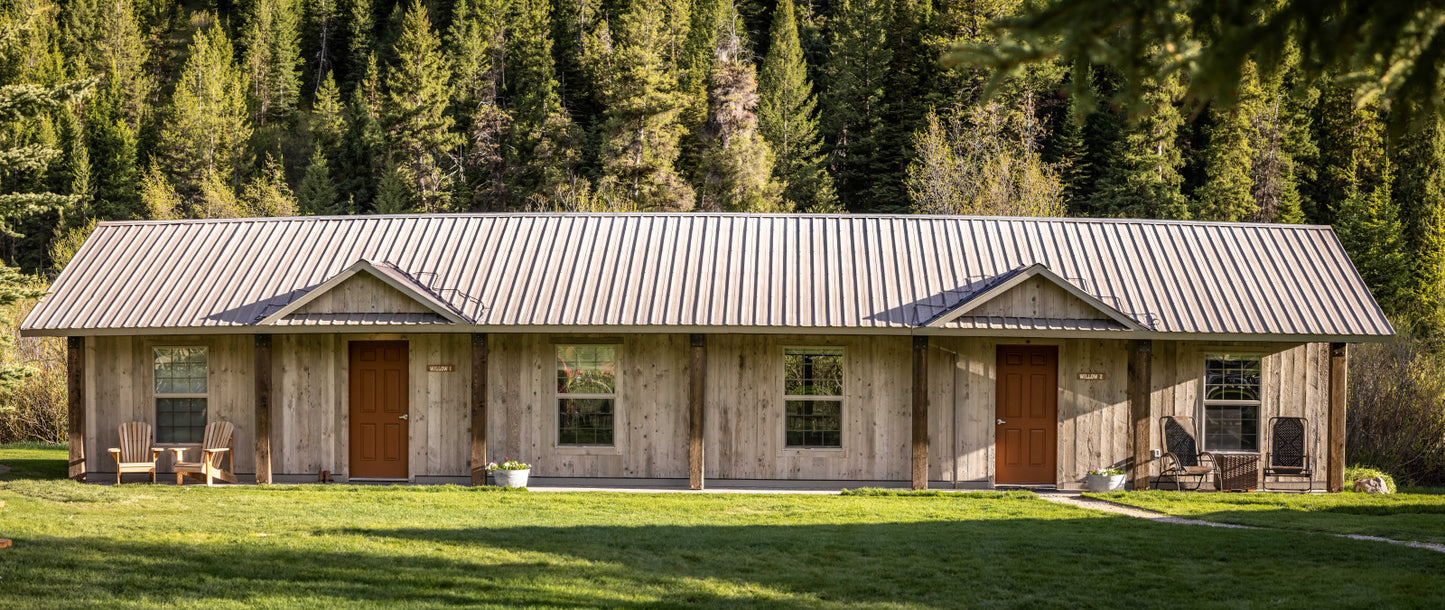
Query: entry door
(1027,409)
(378,395)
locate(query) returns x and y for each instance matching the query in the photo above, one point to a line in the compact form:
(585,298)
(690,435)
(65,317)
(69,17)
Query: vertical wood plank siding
(1339,358)
(742,383)
(262,394)
(1140,373)
(919,416)
(696,396)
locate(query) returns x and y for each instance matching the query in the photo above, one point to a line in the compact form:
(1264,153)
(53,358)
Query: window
(180,394)
(586,394)
(1231,403)
(813,395)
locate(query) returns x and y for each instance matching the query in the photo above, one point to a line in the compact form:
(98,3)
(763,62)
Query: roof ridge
(844,216)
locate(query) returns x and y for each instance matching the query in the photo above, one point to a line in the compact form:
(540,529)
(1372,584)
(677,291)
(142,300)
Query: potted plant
(510,473)
(1105,479)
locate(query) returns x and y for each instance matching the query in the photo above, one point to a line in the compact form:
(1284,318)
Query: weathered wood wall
(363,293)
(120,374)
(1038,297)
(744,406)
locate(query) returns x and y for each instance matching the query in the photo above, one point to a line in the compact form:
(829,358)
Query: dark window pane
(584,421)
(813,423)
(180,420)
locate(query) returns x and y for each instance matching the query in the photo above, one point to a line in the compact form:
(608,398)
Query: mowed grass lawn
(1412,514)
(284,546)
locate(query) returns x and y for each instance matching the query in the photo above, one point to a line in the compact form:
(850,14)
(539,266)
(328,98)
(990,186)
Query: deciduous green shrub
(1396,409)
(35,409)
(1357,472)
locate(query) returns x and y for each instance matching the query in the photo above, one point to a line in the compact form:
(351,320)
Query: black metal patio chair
(1288,455)
(1182,457)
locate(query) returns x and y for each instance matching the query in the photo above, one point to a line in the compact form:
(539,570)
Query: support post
(75,430)
(1339,366)
(697,379)
(479,409)
(920,412)
(263,409)
(1140,393)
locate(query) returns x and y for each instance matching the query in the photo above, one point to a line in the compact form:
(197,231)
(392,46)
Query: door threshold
(376,480)
(1030,487)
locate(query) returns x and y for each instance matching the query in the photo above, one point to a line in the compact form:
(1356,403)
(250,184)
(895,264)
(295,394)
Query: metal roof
(713,272)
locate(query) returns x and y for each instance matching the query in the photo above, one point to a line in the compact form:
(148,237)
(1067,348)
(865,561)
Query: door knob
(403,416)
(1001,422)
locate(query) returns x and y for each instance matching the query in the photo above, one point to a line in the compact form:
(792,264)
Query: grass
(147,545)
(1414,514)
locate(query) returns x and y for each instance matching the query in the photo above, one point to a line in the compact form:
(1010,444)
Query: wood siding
(743,406)
(363,293)
(1038,297)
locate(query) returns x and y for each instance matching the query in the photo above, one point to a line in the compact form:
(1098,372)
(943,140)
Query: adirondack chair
(135,453)
(215,448)
(1289,456)
(1182,457)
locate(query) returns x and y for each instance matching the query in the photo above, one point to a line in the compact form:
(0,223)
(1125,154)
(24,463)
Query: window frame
(157,395)
(841,399)
(1205,402)
(615,396)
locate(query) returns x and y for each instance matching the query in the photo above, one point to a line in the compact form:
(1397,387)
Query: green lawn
(1413,514)
(152,545)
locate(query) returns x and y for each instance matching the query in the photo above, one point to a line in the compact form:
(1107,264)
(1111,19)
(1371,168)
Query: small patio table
(1236,471)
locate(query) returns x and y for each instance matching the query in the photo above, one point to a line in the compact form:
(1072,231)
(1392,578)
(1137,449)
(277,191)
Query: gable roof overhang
(388,274)
(1008,280)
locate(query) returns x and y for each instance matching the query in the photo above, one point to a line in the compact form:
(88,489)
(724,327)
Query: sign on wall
(441,368)
(1091,376)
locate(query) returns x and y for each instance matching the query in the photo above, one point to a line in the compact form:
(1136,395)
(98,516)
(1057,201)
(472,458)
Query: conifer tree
(857,72)
(124,55)
(542,135)
(328,120)
(205,134)
(394,194)
(1351,152)
(158,196)
(74,168)
(271,38)
(317,194)
(322,18)
(361,157)
(788,121)
(1227,192)
(267,194)
(360,37)
(1419,187)
(640,135)
(416,109)
(737,165)
(476,42)
(114,156)
(1140,177)
(1368,224)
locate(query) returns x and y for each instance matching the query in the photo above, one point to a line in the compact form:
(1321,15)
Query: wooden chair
(214,448)
(135,453)
(1289,456)
(1182,457)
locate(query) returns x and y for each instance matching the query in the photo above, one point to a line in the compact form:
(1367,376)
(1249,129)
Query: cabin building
(706,349)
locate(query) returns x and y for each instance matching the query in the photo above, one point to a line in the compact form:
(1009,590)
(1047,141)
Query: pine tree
(75,169)
(317,194)
(271,38)
(543,139)
(640,135)
(114,156)
(1351,152)
(360,37)
(205,134)
(1368,224)
(158,196)
(1227,193)
(328,120)
(1419,187)
(416,110)
(25,164)
(1140,176)
(857,71)
(476,42)
(736,163)
(361,158)
(787,119)
(322,21)
(268,194)
(124,55)
(394,194)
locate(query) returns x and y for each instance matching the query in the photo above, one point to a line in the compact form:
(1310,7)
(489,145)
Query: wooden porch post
(920,412)
(75,378)
(479,409)
(697,379)
(263,409)
(1339,366)
(1139,390)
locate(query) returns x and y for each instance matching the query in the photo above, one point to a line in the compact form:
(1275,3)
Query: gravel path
(1139,513)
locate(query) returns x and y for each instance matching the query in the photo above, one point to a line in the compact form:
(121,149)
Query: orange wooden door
(1027,409)
(378,395)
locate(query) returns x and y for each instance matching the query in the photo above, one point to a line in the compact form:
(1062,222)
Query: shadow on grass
(1094,561)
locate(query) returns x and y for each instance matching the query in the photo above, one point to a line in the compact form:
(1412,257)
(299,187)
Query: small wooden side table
(1236,471)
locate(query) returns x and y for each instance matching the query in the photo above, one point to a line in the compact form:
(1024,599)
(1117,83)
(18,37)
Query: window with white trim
(180,394)
(1231,402)
(813,397)
(586,394)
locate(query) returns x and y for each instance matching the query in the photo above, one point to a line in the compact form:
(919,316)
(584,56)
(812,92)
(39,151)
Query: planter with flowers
(510,472)
(1105,479)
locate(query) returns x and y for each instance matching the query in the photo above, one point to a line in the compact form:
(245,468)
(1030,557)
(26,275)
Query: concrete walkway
(1079,501)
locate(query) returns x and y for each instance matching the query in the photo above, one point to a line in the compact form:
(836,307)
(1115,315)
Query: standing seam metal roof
(889,273)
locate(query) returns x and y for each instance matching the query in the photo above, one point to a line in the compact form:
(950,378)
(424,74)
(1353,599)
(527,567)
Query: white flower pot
(1099,483)
(511,478)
